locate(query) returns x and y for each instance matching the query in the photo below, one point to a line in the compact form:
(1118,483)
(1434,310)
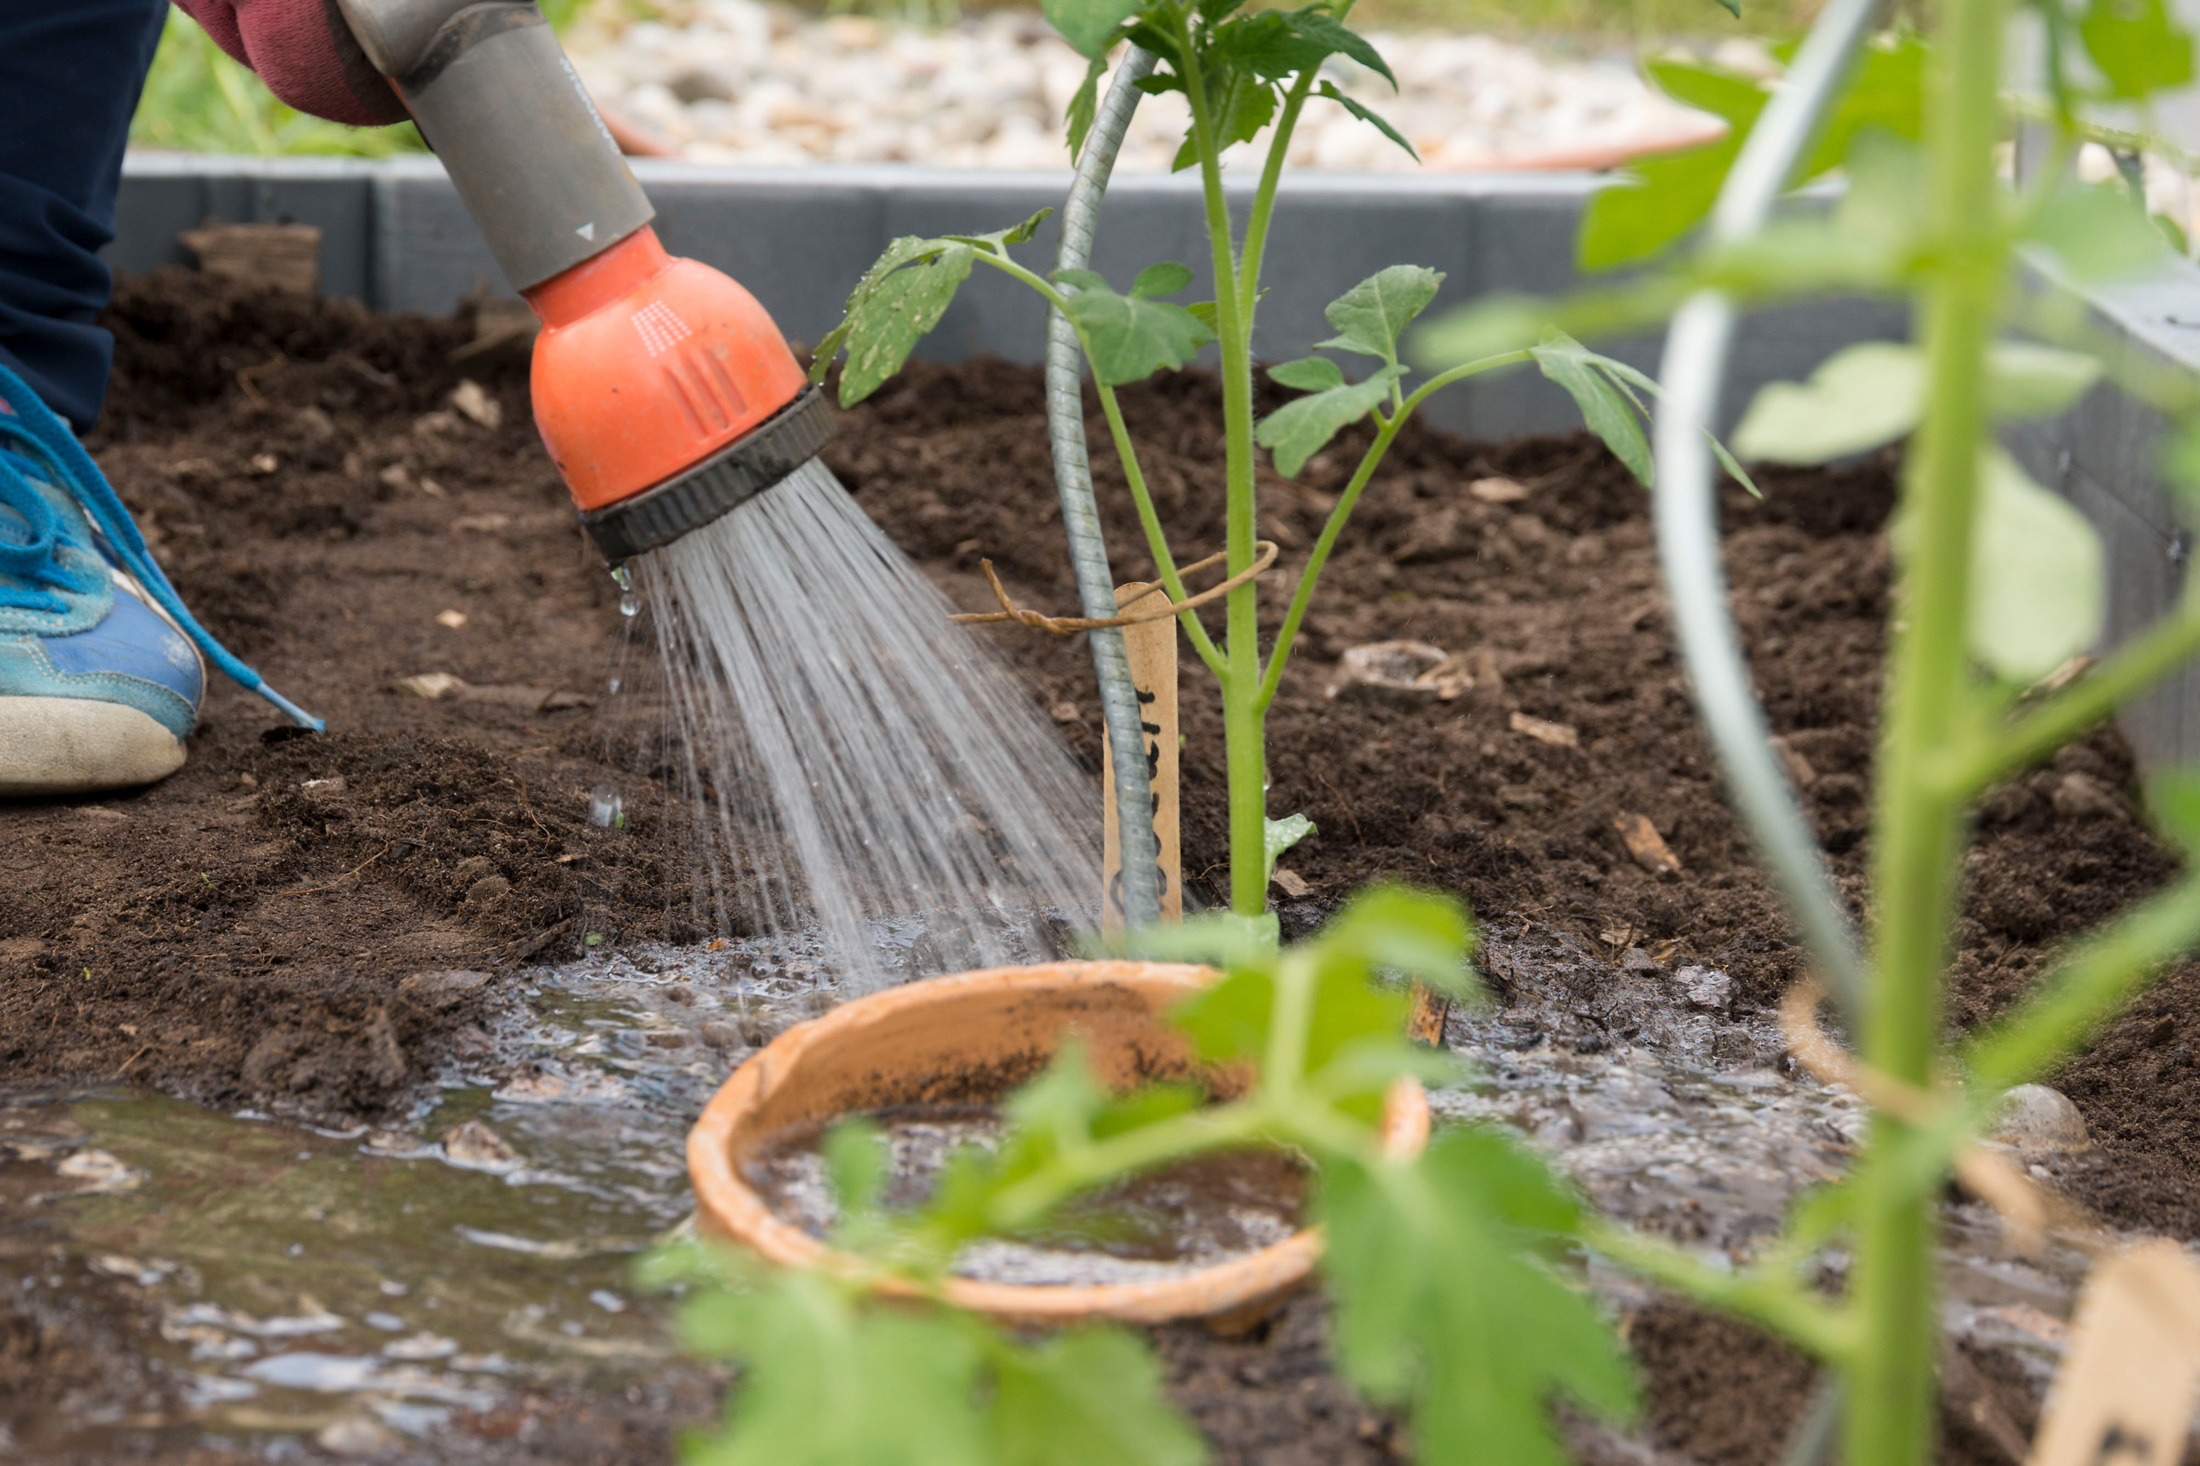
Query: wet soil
(243,934)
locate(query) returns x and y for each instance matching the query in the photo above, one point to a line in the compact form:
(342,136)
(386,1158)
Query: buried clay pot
(971,1039)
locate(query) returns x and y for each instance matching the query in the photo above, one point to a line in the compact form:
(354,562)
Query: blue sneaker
(101,667)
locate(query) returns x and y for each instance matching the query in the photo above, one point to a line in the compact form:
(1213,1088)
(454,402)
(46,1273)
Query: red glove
(305,53)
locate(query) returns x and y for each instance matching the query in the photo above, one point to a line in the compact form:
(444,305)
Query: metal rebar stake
(1139,890)
(1687,510)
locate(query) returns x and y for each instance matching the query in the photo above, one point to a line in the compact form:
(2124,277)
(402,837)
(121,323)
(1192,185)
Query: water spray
(857,766)
(663,390)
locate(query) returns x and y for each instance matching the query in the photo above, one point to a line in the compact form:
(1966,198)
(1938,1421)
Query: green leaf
(1085,106)
(999,240)
(2025,379)
(824,1383)
(1128,336)
(1372,316)
(1859,398)
(1308,374)
(1298,430)
(1221,939)
(887,317)
(1372,118)
(2097,233)
(2174,797)
(855,1157)
(1442,1307)
(1663,199)
(1724,94)
(1266,44)
(1624,374)
(1874,393)
(1089,1398)
(1166,278)
(1325,30)
(1278,836)
(1413,933)
(1608,414)
(2036,579)
(1886,93)
(1091,26)
(2137,46)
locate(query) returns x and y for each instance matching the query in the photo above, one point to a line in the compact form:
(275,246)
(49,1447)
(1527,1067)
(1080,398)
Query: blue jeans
(70,75)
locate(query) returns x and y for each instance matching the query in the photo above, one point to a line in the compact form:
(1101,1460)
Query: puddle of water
(365,1287)
(1160,1225)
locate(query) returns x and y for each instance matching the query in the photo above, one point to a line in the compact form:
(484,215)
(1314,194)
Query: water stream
(898,770)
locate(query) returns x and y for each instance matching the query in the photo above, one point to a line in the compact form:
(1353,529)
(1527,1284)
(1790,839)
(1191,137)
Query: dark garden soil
(241,934)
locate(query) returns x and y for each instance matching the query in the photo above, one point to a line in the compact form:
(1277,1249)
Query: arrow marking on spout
(587,231)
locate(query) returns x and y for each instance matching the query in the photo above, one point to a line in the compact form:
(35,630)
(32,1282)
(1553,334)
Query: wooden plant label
(1151,646)
(2125,1393)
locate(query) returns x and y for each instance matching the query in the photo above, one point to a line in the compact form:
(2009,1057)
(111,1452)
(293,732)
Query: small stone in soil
(475,1147)
(442,989)
(1558,735)
(1646,845)
(2038,1120)
(1706,987)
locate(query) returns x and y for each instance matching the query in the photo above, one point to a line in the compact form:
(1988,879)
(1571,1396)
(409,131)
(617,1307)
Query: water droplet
(606,810)
(622,577)
(630,604)
(614,686)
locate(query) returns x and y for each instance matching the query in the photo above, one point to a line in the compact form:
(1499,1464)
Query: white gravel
(734,81)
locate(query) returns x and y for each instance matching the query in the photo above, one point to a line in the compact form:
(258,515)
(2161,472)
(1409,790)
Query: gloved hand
(305,53)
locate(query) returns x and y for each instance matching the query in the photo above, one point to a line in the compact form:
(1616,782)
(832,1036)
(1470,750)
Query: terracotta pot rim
(727,1205)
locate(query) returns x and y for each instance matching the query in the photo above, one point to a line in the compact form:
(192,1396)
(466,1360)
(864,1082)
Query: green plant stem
(1917,835)
(2137,666)
(2086,990)
(1777,1302)
(1386,433)
(1244,745)
(1264,196)
(1157,540)
(1070,1172)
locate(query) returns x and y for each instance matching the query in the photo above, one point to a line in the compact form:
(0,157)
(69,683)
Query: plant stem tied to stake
(1065,374)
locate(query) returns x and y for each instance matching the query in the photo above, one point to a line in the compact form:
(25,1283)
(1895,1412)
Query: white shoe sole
(67,745)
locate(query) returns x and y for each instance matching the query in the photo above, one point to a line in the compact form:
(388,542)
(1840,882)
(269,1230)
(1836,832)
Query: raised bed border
(395,236)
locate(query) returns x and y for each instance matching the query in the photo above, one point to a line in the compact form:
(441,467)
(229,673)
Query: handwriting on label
(2125,1393)
(1150,647)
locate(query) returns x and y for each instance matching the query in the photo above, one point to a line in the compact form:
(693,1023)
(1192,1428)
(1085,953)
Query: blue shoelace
(30,572)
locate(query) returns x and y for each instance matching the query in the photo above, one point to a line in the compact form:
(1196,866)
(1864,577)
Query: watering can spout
(662,389)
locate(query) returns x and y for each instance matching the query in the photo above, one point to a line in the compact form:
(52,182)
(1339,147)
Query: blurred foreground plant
(1998,585)
(1445,1270)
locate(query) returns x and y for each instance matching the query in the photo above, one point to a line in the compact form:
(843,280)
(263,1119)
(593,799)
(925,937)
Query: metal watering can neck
(663,391)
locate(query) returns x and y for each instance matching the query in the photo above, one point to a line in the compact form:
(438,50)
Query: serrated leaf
(1372,316)
(1129,337)
(1166,278)
(999,239)
(2097,232)
(1090,26)
(1089,1398)
(890,315)
(1266,44)
(2137,46)
(1859,398)
(2036,582)
(1608,414)
(1299,429)
(1278,836)
(1085,106)
(1625,374)
(824,1383)
(1372,118)
(1325,30)
(1442,1306)
(1308,374)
